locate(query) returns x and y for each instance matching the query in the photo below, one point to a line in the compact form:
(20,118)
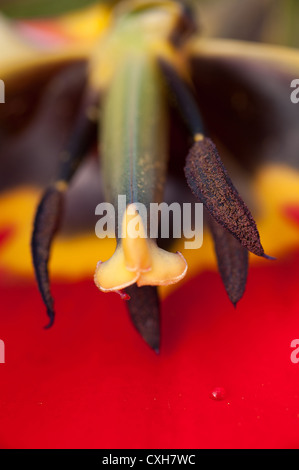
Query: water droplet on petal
(218,393)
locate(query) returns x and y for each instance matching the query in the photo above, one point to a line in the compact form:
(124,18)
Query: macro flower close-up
(149,224)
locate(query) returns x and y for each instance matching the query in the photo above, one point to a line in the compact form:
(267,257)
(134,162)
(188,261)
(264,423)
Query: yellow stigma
(137,259)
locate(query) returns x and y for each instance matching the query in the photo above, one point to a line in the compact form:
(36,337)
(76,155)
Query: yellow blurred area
(72,258)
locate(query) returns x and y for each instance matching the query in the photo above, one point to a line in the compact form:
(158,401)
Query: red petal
(85,383)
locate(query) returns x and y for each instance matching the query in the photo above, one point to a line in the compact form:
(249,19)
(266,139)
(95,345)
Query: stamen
(211,184)
(136,250)
(83,136)
(61,186)
(232,260)
(144,311)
